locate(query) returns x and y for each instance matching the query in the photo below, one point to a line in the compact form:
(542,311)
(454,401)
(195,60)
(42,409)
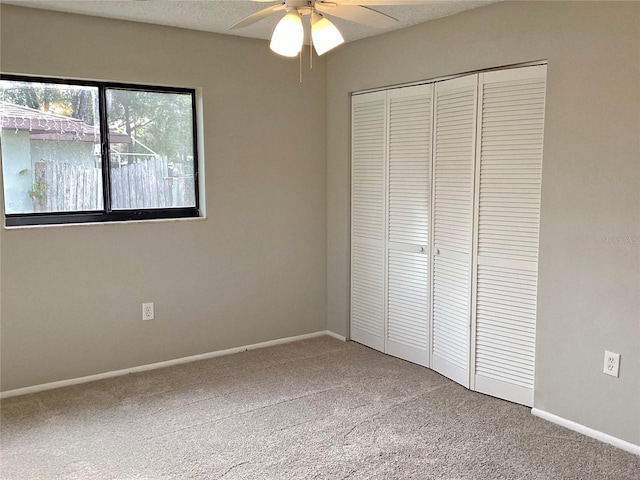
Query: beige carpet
(312,409)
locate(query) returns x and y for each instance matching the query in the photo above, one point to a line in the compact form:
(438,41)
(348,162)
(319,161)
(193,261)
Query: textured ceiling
(218,15)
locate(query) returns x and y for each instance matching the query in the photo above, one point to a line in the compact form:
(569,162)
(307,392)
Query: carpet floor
(316,409)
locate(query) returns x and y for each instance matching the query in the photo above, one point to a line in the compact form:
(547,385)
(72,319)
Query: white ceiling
(218,15)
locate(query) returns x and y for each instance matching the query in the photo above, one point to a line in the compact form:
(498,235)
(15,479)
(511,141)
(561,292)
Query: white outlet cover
(611,363)
(147,311)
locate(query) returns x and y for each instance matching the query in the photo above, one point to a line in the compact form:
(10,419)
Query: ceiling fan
(288,36)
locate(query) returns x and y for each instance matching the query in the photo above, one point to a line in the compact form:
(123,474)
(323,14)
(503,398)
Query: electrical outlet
(147,311)
(611,363)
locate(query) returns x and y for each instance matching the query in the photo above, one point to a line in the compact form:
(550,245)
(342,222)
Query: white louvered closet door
(409,200)
(368,143)
(454,162)
(510,158)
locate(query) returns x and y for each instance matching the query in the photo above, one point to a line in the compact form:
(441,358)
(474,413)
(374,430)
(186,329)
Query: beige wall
(254,270)
(589,290)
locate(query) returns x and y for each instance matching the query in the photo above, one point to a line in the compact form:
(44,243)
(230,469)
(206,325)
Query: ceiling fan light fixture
(288,35)
(325,35)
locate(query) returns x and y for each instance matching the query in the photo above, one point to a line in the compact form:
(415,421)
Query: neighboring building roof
(51,126)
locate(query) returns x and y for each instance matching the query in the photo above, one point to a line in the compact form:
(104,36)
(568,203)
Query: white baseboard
(589,432)
(334,335)
(167,363)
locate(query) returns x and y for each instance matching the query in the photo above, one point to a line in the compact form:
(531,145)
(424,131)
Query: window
(96,152)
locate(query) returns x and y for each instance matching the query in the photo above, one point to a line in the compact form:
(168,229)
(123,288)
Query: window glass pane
(151,149)
(50,147)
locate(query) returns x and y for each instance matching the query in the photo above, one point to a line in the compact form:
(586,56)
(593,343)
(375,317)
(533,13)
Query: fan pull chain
(301,64)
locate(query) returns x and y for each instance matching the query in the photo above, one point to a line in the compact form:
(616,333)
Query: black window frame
(107,214)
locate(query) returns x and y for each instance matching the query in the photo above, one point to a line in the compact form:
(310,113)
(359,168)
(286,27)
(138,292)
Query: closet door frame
(381,253)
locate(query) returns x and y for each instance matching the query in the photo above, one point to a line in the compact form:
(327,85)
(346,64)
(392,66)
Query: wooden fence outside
(153,183)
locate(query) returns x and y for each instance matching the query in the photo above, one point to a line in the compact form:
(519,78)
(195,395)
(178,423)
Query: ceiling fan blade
(256,17)
(376,2)
(358,14)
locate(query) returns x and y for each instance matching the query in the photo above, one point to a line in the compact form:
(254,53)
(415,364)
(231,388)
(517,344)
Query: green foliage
(38,192)
(160,121)
(80,103)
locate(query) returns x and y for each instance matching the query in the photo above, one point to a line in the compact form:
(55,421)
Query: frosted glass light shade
(325,35)
(288,35)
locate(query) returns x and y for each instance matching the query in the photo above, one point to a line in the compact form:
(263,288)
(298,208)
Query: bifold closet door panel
(510,158)
(409,192)
(368,147)
(454,164)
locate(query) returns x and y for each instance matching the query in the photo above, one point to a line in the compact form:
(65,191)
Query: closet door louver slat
(454,155)
(367,294)
(512,121)
(368,219)
(408,223)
